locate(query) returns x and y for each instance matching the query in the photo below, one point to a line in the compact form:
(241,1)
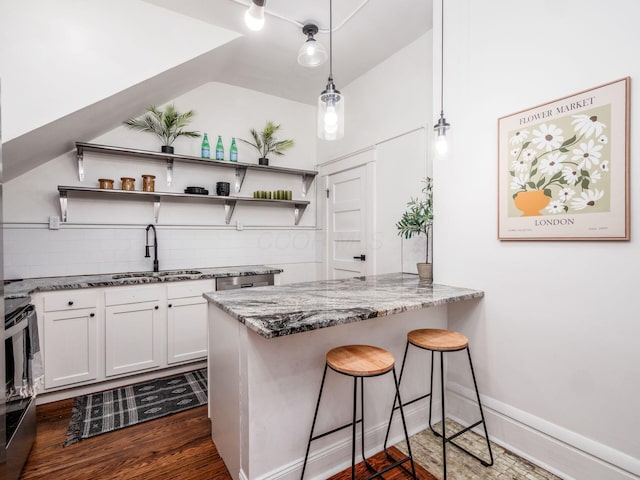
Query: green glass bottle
(206,148)
(233,151)
(219,149)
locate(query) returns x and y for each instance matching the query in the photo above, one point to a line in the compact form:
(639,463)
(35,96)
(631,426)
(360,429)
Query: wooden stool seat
(437,339)
(360,360)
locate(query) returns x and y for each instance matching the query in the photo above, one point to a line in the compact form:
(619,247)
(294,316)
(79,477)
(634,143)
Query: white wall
(556,344)
(108,236)
(387,111)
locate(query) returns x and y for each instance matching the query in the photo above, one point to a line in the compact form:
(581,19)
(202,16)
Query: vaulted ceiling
(73,69)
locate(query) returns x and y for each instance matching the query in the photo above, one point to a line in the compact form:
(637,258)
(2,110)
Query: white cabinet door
(133,337)
(70,347)
(186,329)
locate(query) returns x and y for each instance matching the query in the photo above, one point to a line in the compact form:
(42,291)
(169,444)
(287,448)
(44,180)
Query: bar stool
(437,340)
(360,361)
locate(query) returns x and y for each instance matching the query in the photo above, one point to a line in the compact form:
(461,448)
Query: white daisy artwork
(563,168)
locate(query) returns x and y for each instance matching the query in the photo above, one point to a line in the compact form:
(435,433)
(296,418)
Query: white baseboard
(328,461)
(558,450)
(70,392)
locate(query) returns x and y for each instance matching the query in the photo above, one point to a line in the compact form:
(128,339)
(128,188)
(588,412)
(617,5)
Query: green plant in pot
(418,220)
(265,142)
(167,125)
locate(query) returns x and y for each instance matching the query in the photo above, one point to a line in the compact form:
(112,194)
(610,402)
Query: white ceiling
(199,48)
(267,60)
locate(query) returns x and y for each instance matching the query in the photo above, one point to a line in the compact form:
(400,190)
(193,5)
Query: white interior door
(347,223)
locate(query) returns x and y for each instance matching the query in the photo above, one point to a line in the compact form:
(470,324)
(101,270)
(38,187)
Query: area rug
(104,412)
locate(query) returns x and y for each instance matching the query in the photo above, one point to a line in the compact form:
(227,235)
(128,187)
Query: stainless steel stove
(20,325)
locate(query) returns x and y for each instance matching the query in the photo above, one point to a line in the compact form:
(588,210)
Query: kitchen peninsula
(267,352)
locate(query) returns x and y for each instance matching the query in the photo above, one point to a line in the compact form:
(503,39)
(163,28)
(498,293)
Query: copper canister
(148,183)
(106,183)
(128,183)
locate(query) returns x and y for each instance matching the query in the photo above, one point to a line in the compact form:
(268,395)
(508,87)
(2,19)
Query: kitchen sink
(168,273)
(176,273)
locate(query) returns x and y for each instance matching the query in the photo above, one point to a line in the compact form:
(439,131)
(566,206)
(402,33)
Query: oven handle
(21,325)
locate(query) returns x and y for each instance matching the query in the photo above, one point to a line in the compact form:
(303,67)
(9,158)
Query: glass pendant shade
(312,53)
(330,122)
(330,114)
(440,129)
(254,16)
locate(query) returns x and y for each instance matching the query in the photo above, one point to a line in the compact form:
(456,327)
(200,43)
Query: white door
(186,329)
(71,347)
(132,337)
(347,223)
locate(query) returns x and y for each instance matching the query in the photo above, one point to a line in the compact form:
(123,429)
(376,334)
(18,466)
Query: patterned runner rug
(104,412)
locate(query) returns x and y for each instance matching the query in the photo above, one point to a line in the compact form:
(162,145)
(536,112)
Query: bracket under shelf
(156,209)
(169,171)
(63,206)
(229,207)
(240,173)
(307,180)
(298,211)
(80,157)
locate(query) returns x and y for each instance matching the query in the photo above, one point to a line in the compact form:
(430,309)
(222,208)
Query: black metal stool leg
(484,424)
(313,424)
(433,359)
(367,464)
(444,430)
(396,382)
(395,399)
(353,431)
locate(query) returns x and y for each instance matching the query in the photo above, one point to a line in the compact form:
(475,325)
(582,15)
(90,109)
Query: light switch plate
(54,223)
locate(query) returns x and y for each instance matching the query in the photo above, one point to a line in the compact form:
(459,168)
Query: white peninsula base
(262,394)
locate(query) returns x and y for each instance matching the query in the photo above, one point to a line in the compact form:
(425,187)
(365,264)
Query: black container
(196,190)
(223,188)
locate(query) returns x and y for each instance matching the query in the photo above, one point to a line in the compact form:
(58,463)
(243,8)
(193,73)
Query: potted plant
(418,219)
(265,142)
(167,125)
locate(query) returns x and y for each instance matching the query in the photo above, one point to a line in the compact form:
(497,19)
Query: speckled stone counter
(300,307)
(45,284)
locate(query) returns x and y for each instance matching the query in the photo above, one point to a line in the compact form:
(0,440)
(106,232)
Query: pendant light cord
(442,60)
(331,39)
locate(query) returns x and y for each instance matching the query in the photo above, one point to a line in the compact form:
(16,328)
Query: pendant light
(442,126)
(254,16)
(330,101)
(311,53)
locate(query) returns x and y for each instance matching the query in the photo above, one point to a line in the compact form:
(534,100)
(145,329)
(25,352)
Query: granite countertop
(28,286)
(299,307)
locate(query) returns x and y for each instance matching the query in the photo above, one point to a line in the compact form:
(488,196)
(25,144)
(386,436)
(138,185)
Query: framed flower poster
(563,168)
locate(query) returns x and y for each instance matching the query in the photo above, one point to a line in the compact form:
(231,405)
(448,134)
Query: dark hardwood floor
(177,447)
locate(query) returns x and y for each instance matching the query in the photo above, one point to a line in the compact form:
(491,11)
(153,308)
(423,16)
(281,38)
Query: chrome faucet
(155,247)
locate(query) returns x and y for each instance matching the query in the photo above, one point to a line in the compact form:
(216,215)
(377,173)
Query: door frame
(367,158)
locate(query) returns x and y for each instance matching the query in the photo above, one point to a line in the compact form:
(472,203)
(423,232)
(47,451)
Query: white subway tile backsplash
(39,252)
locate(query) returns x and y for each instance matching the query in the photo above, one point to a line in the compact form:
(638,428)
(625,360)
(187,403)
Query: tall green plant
(265,141)
(418,219)
(167,125)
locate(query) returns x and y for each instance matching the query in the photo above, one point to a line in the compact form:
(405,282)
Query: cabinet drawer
(71,300)
(189,289)
(133,295)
